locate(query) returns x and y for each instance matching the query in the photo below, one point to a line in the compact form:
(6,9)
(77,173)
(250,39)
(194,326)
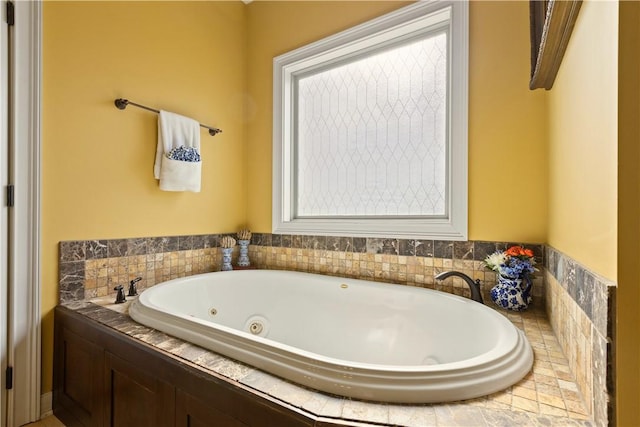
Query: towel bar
(122,103)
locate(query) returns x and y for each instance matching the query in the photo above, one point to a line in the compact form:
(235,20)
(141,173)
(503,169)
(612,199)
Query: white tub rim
(513,363)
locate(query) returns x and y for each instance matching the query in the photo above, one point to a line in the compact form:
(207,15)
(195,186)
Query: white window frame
(405,23)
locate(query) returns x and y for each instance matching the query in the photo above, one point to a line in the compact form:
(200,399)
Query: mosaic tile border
(475,250)
(581,309)
(90,268)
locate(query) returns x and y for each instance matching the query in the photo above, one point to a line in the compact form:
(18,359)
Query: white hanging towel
(174,131)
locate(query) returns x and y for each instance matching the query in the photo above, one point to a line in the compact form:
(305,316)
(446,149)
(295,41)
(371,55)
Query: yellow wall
(507,130)
(97,182)
(213,61)
(627,343)
(275,28)
(583,142)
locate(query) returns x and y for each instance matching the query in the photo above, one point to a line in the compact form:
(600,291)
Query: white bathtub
(348,337)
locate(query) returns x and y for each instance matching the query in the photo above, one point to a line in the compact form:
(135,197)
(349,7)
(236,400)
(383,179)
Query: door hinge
(9,384)
(10,195)
(11,15)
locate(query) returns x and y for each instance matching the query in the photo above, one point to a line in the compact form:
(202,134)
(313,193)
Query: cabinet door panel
(192,412)
(137,398)
(78,387)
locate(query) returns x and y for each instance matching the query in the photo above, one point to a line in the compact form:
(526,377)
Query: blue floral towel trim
(185,154)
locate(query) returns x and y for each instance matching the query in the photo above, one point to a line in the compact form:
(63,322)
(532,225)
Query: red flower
(519,252)
(515,251)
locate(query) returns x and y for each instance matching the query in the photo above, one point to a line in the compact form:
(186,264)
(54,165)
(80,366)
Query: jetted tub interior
(355,338)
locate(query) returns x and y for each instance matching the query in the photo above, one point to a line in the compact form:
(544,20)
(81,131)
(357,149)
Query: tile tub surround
(406,262)
(90,268)
(547,396)
(580,307)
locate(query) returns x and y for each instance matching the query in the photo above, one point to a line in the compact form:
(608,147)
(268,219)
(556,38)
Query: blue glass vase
(512,294)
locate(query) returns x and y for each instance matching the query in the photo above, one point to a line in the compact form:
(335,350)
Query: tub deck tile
(227,367)
(548,396)
(154,337)
(260,381)
(333,407)
(526,392)
(364,411)
(492,404)
(170,344)
(296,396)
(135,331)
(459,414)
(505,418)
(190,351)
(231,369)
(403,415)
(315,404)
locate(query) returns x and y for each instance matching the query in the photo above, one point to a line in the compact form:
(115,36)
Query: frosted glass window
(370,128)
(371,134)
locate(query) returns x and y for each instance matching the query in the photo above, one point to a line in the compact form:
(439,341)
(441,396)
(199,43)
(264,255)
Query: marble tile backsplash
(92,268)
(403,261)
(580,307)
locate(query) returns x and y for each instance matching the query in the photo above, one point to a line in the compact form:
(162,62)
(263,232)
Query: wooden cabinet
(192,412)
(103,378)
(136,398)
(78,378)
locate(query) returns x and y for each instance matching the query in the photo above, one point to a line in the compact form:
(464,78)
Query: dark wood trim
(552,22)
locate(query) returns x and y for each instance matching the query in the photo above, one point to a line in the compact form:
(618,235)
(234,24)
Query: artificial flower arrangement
(514,267)
(514,263)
